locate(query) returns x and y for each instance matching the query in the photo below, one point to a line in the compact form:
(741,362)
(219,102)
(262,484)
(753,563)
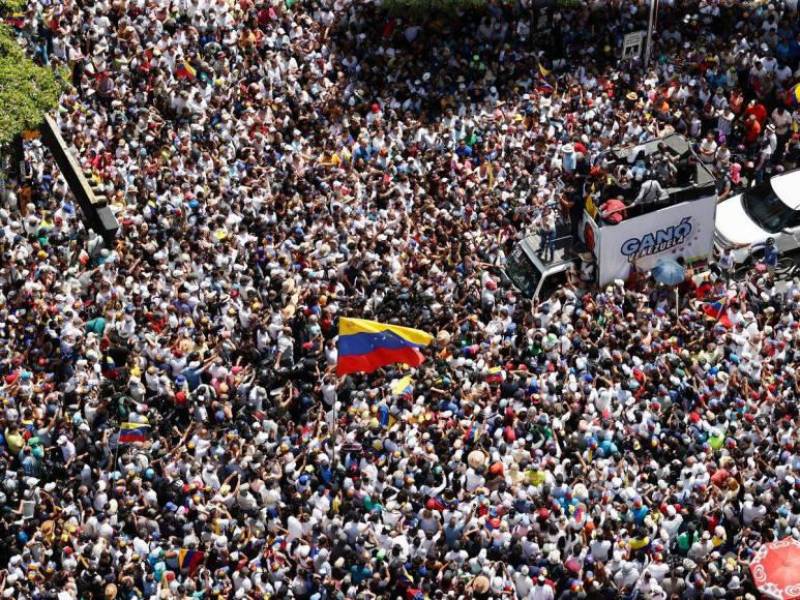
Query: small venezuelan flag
(719,311)
(189,560)
(133,432)
(404,385)
(365,346)
(185,71)
(542,71)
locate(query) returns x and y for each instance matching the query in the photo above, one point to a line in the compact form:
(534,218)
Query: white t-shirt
(782,122)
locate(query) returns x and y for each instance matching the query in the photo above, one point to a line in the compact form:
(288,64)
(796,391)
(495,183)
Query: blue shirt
(771,256)
(359,574)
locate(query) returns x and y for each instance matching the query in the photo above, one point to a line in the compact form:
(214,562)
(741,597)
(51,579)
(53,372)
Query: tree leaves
(12,6)
(27,90)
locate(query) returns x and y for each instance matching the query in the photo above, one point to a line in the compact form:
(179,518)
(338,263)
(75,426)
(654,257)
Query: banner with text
(683,230)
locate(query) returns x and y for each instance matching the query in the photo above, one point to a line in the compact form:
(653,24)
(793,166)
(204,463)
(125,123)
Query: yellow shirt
(15,442)
(637,543)
(535,477)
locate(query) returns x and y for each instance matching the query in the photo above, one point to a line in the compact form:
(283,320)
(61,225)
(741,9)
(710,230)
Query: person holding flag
(365,346)
(133,432)
(718,310)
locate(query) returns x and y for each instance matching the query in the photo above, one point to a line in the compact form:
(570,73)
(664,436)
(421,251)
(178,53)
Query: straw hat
(480,584)
(476,459)
(288,311)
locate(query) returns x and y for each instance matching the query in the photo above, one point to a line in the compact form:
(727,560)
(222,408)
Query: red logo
(588,237)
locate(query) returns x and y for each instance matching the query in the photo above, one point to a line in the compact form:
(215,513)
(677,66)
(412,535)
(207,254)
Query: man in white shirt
(752,511)
(541,591)
(708,148)
(782,120)
(546,225)
(782,74)
(67,448)
(651,191)
(522,582)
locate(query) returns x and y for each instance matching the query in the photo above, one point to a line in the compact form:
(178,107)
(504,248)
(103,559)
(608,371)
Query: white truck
(769,210)
(678,225)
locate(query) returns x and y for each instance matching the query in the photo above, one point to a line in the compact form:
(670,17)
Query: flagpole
(333,431)
(677,302)
(334,426)
(116,452)
(723,310)
(650,27)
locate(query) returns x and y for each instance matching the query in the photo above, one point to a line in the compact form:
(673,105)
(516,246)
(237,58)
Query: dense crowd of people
(276,164)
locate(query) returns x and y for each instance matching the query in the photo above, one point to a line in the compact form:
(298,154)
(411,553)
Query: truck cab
(534,277)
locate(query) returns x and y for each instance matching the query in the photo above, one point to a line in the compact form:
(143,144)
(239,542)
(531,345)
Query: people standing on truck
(574,202)
(612,211)
(722,158)
(546,227)
(665,164)
(651,191)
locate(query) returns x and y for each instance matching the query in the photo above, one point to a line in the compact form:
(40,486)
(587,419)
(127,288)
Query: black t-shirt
(508,388)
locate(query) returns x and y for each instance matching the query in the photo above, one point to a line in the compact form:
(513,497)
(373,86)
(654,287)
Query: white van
(768,210)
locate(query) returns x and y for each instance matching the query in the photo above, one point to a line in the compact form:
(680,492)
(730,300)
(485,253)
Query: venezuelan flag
(133,432)
(189,560)
(405,385)
(365,346)
(185,71)
(542,71)
(719,311)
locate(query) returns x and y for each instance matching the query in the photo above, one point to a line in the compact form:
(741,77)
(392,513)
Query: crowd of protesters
(274,164)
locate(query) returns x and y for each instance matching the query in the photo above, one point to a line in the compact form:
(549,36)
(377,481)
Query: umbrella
(669,272)
(776,569)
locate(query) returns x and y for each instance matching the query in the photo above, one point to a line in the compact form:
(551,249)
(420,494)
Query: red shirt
(752,131)
(758,110)
(719,477)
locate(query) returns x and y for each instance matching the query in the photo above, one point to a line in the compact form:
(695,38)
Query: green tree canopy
(27,90)
(12,6)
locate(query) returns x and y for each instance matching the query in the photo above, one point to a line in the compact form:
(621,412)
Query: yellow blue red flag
(133,432)
(365,346)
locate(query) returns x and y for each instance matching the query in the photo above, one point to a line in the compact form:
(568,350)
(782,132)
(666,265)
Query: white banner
(633,43)
(682,230)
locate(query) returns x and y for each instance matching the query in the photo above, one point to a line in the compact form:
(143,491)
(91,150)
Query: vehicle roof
(563,257)
(786,186)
